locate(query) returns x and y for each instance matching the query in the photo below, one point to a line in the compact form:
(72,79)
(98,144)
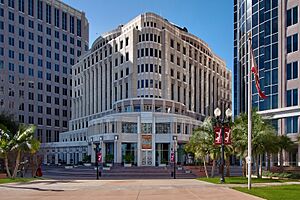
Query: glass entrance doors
(109,152)
(162,153)
(129,153)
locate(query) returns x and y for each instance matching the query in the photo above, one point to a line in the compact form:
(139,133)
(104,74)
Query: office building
(274,27)
(39,42)
(139,86)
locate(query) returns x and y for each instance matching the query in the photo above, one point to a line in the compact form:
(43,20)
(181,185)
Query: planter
(87,164)
(162,165)
(106,168)
(188,171)
(109,164)
(3,175)
(179,168)
(68,167)
(127,164)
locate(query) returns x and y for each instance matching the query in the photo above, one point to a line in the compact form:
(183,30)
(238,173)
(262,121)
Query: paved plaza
(119,189)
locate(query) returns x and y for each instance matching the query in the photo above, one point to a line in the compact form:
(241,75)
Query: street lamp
(222,122)
(116,137)
(174,147)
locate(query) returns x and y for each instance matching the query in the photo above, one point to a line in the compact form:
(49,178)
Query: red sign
(172,157)
(218,135)
(99,157)
(227,135)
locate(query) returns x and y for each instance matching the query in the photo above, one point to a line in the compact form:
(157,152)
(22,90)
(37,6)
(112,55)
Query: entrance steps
(135,172)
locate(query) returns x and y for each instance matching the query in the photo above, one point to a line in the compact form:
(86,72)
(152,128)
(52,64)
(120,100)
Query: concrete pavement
(119,189)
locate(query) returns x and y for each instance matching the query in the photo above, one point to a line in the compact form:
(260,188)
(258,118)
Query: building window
(64,21)
(56,17)
(291,124)
(292,43)
(40,10)
(21,6)
(48,13)
(30,7)
(292,16)
(72,24)
(292,97)
(78,28)
(292,70)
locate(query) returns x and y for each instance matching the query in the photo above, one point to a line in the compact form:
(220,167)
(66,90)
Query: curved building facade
(138,87)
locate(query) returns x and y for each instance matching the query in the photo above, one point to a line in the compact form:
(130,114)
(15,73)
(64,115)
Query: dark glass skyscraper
(274,28)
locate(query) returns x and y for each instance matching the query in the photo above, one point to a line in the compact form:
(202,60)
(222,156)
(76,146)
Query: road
(119,189)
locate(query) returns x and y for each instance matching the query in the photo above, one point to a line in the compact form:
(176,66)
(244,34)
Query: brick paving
(119,189)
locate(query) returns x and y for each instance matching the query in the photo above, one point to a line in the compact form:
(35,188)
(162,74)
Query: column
(139,141)
(80,156)
(95,90)
(286,158)
(93,159)
(298,164)
(45,158)
(153,140)
(68,158)
(99,88)
(56,158)
(116,151)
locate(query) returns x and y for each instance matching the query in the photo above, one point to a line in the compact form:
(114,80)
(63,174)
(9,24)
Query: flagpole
(249,112)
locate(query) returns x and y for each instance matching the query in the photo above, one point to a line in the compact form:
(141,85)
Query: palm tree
(202,144)
(263,140)
(14,140)
(5,146)
(283,143)
(23,141)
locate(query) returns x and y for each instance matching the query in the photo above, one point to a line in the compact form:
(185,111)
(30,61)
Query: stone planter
(179,168)
(106,168)
(109,164)
(162,165)
(68,167)
(87,164)
(127,164)
(3,175)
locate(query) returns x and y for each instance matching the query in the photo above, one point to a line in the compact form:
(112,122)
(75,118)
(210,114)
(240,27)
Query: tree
(263,139)
(202,144)
(16,141)
(283,143)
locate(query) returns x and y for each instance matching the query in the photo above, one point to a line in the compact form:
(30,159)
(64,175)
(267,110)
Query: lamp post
(175,147)
(222,122)
(116,137)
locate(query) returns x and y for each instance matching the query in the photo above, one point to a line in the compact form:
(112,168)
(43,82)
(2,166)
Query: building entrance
(109,152)
(146,158)
(162,154)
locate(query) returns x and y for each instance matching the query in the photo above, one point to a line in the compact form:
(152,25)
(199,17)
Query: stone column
(68,158)
(153,140)
(45,158)
(93,159)
(286,160)
(139,141)
(80,156)
(298,161)
(56,158)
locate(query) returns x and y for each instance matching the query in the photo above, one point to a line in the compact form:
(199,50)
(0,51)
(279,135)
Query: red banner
(218,135)
(99,157)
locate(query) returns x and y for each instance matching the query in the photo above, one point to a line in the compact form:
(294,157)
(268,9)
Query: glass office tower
(274,27)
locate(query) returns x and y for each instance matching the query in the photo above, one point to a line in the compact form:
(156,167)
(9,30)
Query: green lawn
(290,192)
(22,180)
(242,180)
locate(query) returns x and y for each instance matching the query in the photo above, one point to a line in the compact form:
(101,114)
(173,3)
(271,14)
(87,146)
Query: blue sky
(210,20)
